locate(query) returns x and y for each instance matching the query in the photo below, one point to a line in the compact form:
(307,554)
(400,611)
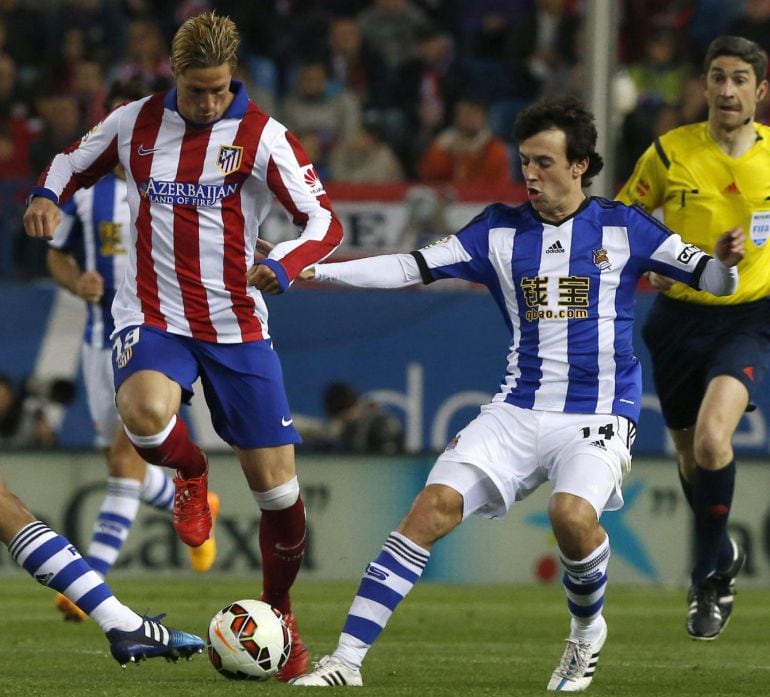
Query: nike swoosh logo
(286,422)
(290,548)
(142,151)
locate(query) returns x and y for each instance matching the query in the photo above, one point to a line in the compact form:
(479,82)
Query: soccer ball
(248,640)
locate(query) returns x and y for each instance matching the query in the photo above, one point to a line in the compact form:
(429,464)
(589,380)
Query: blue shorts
(691,344)
(242,383)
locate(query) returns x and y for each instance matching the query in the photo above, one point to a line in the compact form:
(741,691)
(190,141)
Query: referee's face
(732,93)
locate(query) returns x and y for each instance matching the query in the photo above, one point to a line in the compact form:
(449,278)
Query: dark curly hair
(567,114)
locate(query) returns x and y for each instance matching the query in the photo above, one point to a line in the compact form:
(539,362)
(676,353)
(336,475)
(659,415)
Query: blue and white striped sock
(116,516)
(384,585)
(585,582)
(158,488)
(52,561)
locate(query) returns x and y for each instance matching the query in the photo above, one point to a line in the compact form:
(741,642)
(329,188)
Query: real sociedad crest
(229,158)
(760,227)
(601,259)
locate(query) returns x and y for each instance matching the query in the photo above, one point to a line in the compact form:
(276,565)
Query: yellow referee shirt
(704,192)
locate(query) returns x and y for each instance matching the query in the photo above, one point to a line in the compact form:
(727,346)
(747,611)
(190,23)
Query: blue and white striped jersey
(98,219)
(566,293)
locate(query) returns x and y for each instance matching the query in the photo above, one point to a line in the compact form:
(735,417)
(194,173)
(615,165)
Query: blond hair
(207,40)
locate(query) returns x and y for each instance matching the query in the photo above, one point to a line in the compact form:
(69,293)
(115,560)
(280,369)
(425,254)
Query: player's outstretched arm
(730,249)
(720,277)
(381,271)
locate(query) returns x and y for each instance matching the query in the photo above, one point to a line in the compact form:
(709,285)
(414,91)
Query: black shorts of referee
(691,344)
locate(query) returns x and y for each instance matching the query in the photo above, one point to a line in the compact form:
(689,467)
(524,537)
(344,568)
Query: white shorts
(100,392)
(507,452)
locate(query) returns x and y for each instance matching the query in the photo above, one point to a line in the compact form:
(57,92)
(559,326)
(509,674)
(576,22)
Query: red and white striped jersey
(197,196)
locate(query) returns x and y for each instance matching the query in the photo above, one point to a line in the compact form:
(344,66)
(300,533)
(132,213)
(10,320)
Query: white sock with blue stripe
(158,488)
(51,560)
(384,585)
(116,516)
(585,582)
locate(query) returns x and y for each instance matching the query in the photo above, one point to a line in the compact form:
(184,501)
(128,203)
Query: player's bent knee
(147,401)
(575,524)
(713,449)
(145,417)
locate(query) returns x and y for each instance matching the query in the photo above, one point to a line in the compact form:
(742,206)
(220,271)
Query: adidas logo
(731,188)
(45,579)
(555,248)
(156,632)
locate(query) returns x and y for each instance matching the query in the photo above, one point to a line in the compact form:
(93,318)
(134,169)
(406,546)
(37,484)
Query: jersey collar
(583,204)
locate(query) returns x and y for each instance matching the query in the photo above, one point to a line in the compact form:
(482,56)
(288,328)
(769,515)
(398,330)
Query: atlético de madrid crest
(229,158)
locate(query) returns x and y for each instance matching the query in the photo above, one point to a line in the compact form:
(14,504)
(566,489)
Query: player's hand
(659,281)
(730,248)
(90,286)
(41,218)
(263,278)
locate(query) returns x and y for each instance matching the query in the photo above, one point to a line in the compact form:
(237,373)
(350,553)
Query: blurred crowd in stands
(352,423)
(31,412)
(379,91)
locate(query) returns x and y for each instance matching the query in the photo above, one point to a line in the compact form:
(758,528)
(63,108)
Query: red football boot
(192,516)
(299,658)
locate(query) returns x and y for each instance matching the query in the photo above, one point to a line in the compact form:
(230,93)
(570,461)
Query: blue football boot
(152,640)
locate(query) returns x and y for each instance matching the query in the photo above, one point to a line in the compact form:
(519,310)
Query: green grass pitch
(443,641)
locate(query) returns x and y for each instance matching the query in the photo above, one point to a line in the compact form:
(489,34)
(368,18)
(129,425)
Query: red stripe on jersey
(187,258)
(144,135)
(311,251)
(235,262)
